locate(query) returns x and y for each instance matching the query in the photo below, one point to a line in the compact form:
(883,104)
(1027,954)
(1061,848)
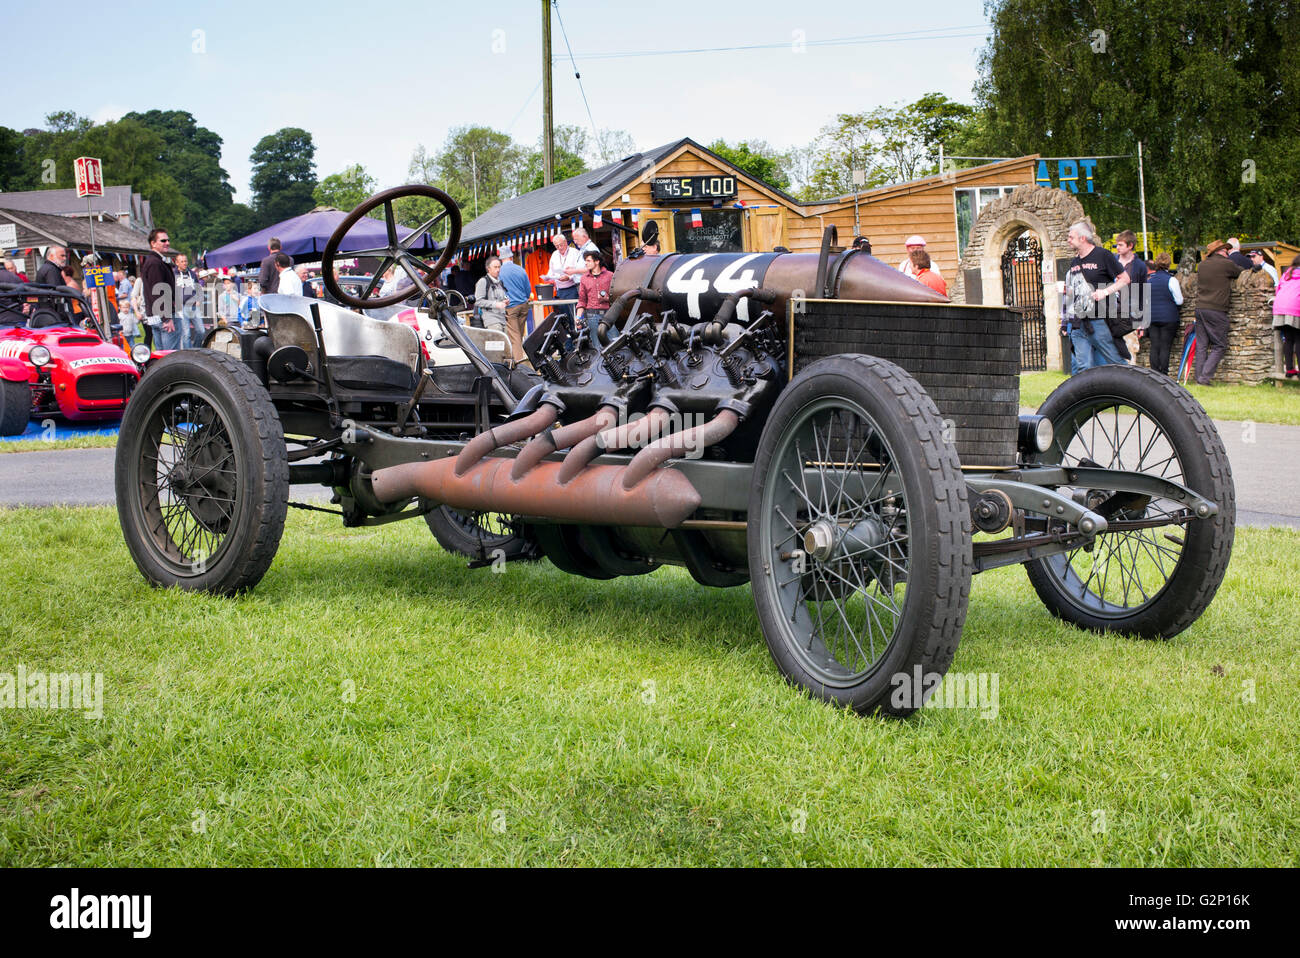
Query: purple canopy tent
(304,237)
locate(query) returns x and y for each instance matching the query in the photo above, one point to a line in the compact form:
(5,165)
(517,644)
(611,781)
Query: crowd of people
(1112,300)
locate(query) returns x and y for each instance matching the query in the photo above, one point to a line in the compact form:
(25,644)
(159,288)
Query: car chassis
(818,467)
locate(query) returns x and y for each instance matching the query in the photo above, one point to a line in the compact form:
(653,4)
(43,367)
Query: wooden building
(702,203)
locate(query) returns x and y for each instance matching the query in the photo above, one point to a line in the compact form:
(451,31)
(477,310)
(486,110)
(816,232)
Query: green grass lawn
(375,702)
(1262,403)
(42,445)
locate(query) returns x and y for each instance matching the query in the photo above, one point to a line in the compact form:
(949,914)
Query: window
(970,203)
(719,234)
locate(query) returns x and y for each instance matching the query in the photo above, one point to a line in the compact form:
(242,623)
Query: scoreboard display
(692,189)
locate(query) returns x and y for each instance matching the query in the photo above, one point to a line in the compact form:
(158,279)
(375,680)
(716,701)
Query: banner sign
(98,276)
(1070,174)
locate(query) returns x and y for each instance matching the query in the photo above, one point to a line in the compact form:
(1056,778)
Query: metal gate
(1022,290)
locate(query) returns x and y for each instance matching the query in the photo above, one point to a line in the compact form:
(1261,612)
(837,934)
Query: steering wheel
(397,252)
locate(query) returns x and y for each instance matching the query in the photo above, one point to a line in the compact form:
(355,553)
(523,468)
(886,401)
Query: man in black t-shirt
(1093,276)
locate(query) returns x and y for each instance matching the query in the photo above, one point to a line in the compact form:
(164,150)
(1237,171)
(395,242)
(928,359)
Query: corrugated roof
(564,197)
(75,231)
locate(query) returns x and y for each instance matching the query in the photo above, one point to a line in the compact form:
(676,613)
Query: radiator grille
(105,386)
(967,358)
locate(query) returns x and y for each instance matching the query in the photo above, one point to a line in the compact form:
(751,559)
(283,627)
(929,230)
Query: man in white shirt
(905,265)
(565,272)
(582,242)
(290,284)
(1257,262)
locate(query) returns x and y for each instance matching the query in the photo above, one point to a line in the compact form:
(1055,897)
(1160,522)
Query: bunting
(617,216)
(696,218)
(596,221)
(636,219)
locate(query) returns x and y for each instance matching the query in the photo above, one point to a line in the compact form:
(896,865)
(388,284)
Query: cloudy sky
(372,81)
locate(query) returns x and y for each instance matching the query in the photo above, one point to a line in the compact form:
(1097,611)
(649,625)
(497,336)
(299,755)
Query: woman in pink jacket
(1286,315)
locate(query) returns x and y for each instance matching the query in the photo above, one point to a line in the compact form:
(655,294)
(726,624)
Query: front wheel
(201,474)
(859,536)
(1149,575)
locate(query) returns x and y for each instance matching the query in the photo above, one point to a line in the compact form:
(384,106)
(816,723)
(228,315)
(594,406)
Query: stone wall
(1249,359)
(1049,213)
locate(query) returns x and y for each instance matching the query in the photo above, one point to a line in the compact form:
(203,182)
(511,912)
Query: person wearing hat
(906,266)
(518,289)
(1213,291)
(1258,262)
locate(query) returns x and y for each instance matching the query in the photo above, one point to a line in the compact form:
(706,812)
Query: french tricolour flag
(618,216)
(696,218)
(739,204)
(596,221)
(636,219)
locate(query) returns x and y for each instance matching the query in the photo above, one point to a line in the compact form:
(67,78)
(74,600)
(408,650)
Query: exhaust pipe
(679,444)
(553,440)
(595,497)
(612,440)
(503,435)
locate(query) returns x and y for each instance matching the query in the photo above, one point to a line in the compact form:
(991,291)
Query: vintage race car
(817,425)
(51,344)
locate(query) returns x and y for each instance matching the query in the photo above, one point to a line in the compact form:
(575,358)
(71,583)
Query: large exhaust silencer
(595,496)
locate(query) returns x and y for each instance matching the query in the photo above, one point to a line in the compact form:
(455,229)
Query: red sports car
(54,360)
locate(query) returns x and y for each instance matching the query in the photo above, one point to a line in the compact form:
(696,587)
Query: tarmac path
(1265,465)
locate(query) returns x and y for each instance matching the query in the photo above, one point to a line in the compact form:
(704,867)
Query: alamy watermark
(956,690)
(76,691)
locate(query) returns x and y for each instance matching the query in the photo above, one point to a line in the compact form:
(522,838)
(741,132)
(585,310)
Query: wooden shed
(703,203)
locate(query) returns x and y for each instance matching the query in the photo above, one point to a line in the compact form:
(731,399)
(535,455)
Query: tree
(571,144)
(757,158)
(479,167)
(284,174)
(889,144)
(345,189)
(610,146)
(1209,90)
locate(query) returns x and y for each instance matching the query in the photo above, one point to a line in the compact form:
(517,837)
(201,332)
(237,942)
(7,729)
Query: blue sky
(370,86)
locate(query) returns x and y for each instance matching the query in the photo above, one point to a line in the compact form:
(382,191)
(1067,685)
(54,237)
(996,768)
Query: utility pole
(548,120)
(1142,191)
(473,161)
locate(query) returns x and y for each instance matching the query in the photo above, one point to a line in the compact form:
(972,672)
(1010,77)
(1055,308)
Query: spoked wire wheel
(858,534)
(201,474)
(482,535)
(1156,568)
(189,480)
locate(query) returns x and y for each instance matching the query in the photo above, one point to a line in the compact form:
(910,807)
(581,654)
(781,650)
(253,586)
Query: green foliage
(345,189)
(1211,90)
(757,158)
(284,175)
(889,144)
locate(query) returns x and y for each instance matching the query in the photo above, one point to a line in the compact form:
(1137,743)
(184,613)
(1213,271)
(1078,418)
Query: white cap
(505,252)
(915,241)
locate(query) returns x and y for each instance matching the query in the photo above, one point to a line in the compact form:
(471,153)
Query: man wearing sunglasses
(160,291)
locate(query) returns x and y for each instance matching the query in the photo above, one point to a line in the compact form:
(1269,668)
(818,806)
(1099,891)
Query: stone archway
(1048,214)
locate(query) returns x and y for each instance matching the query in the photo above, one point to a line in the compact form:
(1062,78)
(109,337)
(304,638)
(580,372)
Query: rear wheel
(202,476)
(15,407)
(1151,581)
(482,535)
(859,536)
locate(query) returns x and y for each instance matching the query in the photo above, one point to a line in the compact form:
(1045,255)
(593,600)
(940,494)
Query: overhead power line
(932,33)
(577,76)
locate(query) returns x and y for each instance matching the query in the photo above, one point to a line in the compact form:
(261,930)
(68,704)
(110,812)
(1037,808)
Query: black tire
(15,407)
(479,536)
(1127,417)
(189,521)
(860,411)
